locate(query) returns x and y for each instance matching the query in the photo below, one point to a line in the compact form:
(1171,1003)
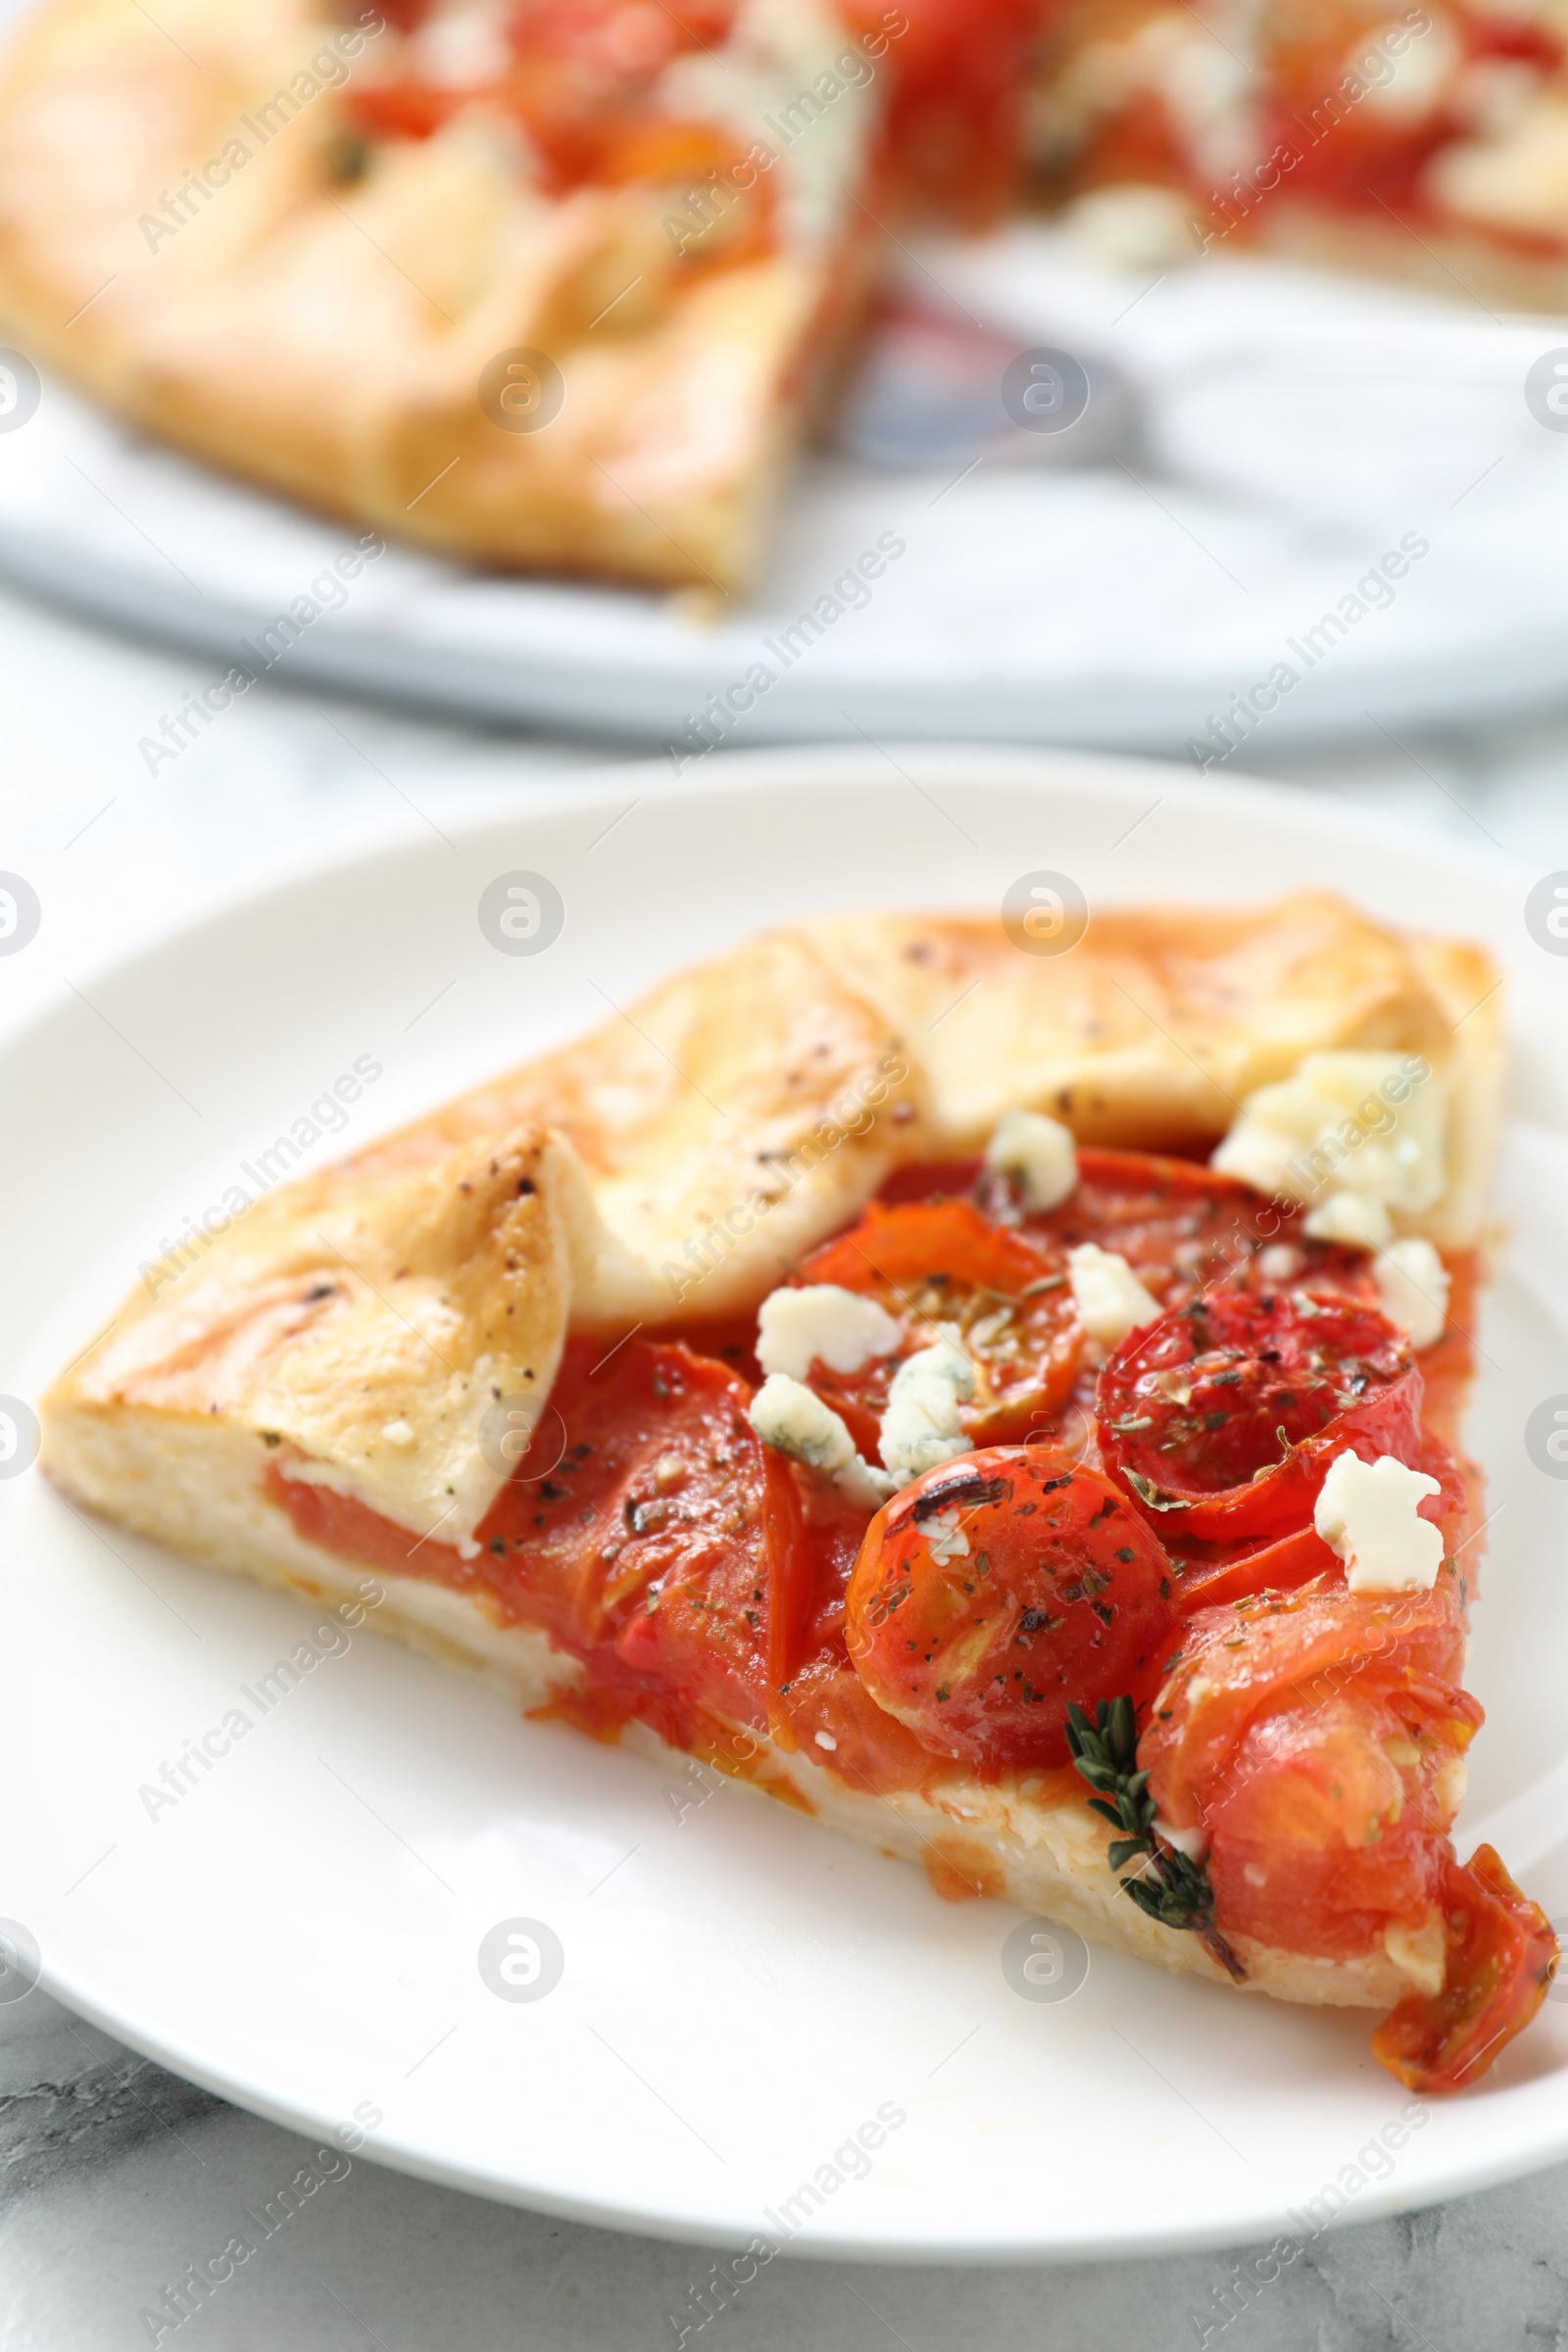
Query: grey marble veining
(73,2098)
(115,2176)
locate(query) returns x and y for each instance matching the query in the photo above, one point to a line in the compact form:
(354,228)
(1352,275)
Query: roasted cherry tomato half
(1501,1955)
(1227,1414)
(995,1590)
(942,1261)
(1181,1225)
(1316,1738)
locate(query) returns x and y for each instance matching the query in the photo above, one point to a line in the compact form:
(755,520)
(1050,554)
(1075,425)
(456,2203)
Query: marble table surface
(113,2174)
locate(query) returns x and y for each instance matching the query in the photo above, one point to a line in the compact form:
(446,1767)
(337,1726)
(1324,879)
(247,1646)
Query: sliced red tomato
(1236,1664)
(1313,1737)
(1281,1566)
(825,1701)
(402,107)
(1330,1827)
(1213,1574)
(1355,155)
(932,1180)
(665,1546)
(942,1261)
(583,76)
(1224,1417)
(995,1590)
(1501,1957)
(1182,1227)
(954,131)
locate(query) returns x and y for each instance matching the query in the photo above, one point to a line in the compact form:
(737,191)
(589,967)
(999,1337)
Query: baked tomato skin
(1499,1956)
(995,1590)
(1224,1417)
(664,1546)
(1182,1227)
(953,138)
(931,1262)
(1213,1573)
(582,78)
(1236,1665)
(1315,1739)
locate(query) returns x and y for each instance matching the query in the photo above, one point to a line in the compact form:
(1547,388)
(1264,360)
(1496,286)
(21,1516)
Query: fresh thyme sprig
(1172,1889)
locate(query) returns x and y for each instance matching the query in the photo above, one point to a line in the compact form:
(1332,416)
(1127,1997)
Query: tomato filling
(953,134)
(584,81)
(995,1591)
(1501,1957)
(1208,1574)
(1352,149)
(1326,112)
(1182,1228)
(1311,1736)
(941,1264)
(1224,1417)
(1342,104)
(1305,1741)
(664,1549)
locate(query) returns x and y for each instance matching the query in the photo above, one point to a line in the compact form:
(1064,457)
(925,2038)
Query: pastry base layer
(198,1491)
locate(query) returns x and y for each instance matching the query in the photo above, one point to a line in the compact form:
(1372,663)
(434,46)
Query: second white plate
(1299,430)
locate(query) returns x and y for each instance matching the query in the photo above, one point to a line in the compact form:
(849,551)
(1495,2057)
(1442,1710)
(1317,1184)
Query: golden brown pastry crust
(698,1142)
(370,1327)
(327,341)
(414,1282)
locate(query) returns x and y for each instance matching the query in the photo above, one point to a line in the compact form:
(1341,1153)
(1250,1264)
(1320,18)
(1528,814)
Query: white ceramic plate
(1297,430)
(741,1991)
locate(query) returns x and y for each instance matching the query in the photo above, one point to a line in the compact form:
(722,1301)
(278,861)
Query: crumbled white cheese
(777,50)
(1194,1843)
(1420,1953)
(1416,81)
(1110,1299)
(1210,90)
(397,1433)
(1367,1123)
(826,1739)
(1039,1154)
(464,48)
(1136,227)
(1414,1285)
(1515,176)
(1354,1218)
(921,1424)
(792,1420)
(822,1323)
(1367,1514)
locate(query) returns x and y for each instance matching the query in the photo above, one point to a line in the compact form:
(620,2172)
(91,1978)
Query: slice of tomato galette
(1025,1442)
(546,285)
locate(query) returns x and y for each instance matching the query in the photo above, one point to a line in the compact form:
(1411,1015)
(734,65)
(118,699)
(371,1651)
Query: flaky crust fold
(688,1151)
(326,339)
